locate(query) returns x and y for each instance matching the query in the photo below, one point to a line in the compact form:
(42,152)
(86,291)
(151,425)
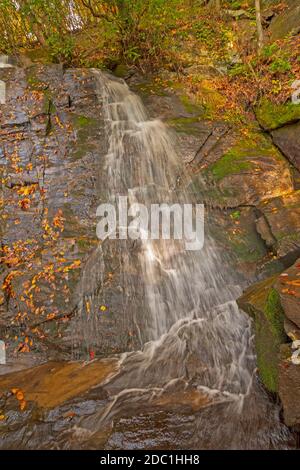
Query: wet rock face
(246,172)
(289,391)
(288,287)
(51,151)
(288,140)
(56,397)
(275,306)
(279,225)
(238,169)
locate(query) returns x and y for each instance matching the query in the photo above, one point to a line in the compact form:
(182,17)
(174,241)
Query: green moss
(81,121)
(267,361)
(185,125)
(236,215)
(40,55)
(272,116)
(34,83)
(292,237)
(247,249)
(234,161)
(229,164)
(152,88)
(274,314)
(182,121)
(87,129)
(239,158)
(84,244)
(48,106)
(239,70)
(190,107)
(121,71)
(213,195)
(269,337)
(262,302)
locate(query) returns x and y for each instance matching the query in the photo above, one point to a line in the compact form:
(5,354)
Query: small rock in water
(2,353)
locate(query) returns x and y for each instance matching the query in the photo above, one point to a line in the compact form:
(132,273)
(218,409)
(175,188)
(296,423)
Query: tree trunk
(35,23)
(218,5)
(39,35)
(214,5)
(260,32)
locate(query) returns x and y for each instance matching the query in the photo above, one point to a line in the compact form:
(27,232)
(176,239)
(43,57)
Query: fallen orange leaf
(20,395)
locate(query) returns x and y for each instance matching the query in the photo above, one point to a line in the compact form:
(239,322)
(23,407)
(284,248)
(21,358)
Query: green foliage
(277,59)
(236,215)
(143,28)
(239,70)
(280,65)
(60,48)
(204,32)
(211,34)
(270,50)
(130,31)
(236,5)
(28,22)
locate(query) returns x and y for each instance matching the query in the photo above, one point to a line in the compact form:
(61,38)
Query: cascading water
(194,341)
(5,61)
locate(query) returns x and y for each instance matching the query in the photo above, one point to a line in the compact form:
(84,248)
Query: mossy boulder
(245,173)
(286,22)
(272,116)
(262,302)
(274,304)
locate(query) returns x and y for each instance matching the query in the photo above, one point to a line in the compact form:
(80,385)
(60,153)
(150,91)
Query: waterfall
(192,335)
(5,61)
